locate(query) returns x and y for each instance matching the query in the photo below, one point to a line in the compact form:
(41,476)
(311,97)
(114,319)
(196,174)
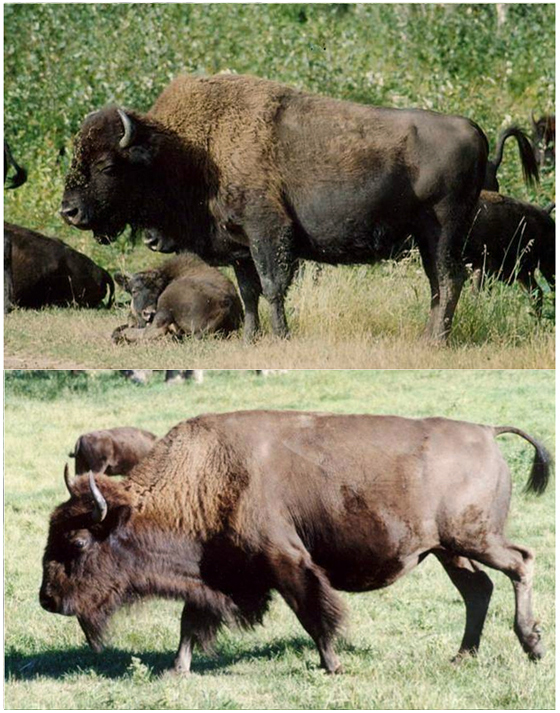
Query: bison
(510,240)
(114,451)
(526,154)
(544,138)
(248,172)
(46,271)
(184,296)
(15,181)
(227,507)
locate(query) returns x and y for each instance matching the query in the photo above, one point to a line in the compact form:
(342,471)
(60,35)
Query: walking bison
(46,271)
(227,507)
(184,296)
(251,173)
(114,451)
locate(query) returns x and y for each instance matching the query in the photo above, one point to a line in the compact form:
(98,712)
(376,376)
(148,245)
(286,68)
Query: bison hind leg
(475,587)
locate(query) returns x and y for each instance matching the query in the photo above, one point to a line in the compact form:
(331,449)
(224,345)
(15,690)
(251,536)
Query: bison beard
(250,173)
(229,507)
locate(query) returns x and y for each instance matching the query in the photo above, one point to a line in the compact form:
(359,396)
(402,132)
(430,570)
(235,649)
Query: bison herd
(246,172)
(227,508)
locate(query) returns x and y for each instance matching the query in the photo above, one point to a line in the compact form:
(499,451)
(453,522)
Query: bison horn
(100,507)
(68,480)
(128,129)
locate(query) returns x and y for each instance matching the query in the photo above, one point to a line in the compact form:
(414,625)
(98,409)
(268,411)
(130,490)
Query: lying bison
(510,240)
(251,173)
(114,451)
(228,507)
(184,296)
(526,154)
(46,271)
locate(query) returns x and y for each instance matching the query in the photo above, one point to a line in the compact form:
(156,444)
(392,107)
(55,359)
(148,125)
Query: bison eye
(80,543)
(109,169)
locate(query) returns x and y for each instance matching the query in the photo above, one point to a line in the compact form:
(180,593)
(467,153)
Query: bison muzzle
(228,507)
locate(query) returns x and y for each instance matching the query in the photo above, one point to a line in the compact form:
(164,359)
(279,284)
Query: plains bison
(46,271)
(184,296)
(510,240)
(251,173)
(526,154)
(114,451)
(228,507)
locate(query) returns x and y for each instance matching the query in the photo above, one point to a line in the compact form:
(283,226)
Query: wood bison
(184,296)
(544,138)
(526,154)
(114,451)
(510,240)
(46,271)
(227,507)
(251,173)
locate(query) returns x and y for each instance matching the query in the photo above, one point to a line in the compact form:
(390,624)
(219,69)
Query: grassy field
(448,58)
(399,642)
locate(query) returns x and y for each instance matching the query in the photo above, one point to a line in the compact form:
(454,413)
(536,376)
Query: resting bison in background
(526,154)
(46,271)
(184,296)
(510,239)
(114,451)
(251,173)
(228,507)
(544,138)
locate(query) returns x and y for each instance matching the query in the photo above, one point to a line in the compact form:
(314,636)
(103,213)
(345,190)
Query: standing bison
(114,451)
(228,507)
(251,173)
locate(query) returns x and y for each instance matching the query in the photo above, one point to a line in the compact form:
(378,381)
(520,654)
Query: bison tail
(540,472)
(529,164)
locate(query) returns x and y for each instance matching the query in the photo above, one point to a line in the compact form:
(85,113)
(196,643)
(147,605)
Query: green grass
(399,641)
(450,58)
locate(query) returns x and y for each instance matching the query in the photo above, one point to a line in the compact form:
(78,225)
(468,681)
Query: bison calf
(510,239)
(228,507)
(114,451)
(46,271)
(184,296)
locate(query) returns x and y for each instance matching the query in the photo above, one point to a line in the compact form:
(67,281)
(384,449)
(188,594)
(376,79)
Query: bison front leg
(308,593)
(198,626)
(271,245)
(250,289)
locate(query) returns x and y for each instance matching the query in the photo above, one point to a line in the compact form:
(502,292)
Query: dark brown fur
(184,296)
(228,507)
(544,138)
(114,451)
(46,271)
(510,240)
(251,173)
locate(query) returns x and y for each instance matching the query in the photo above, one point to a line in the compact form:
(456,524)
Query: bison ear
(140,155)
(118,517)
(122,280)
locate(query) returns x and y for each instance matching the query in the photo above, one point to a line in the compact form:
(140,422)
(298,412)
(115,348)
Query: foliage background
(399,640)
(63,61)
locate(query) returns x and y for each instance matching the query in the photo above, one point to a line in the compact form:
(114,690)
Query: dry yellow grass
(341,317)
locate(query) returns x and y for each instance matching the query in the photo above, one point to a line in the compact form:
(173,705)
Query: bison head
(83,572)
(144,289)
(111,171)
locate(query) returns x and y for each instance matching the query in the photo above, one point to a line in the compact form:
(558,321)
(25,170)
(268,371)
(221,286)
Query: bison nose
(47,602)
(148,314)
(71,213)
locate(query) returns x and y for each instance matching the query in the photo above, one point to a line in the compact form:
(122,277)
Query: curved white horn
(100,507)
(128,129)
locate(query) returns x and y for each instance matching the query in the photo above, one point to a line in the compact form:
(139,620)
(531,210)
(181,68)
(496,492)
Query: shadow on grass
(116,663)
